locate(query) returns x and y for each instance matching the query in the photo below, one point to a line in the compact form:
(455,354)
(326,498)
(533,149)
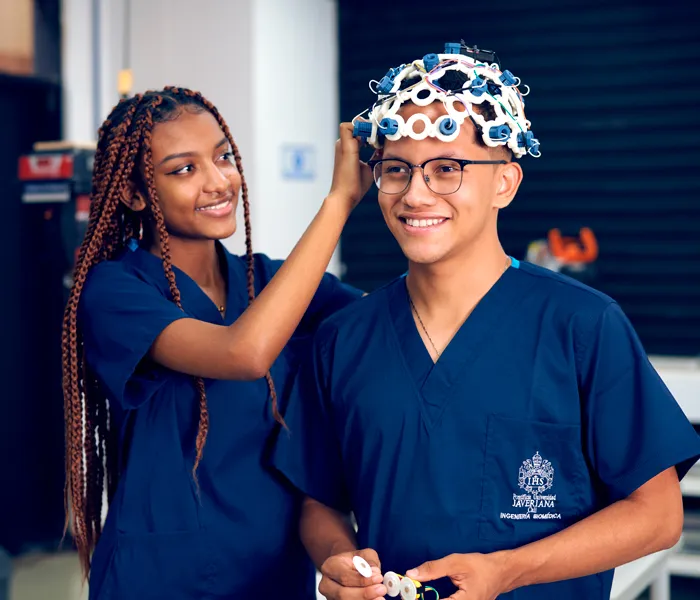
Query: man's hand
(342,581)
(476,576)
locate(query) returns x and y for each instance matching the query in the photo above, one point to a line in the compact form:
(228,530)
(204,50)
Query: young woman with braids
(175,353)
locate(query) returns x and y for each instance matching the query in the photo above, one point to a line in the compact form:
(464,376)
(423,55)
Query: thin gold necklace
(425,329)
(415,310)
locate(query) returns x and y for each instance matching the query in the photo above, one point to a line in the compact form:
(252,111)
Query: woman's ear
(132,197)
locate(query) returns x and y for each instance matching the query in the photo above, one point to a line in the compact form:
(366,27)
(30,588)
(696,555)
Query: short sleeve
(634,428)
(331,295)
(120,315)
(309,454)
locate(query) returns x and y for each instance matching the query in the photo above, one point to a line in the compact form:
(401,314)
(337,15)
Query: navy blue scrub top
(239,539)
(542,410)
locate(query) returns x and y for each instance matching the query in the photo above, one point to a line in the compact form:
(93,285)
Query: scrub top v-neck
(434,379)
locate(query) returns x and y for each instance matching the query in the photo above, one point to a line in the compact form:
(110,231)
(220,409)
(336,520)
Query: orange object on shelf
(568,250)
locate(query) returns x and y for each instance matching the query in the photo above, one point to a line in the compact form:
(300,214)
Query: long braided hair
(124,145)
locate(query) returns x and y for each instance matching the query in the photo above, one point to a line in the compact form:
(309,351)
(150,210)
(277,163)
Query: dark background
(31,305)
(615,104)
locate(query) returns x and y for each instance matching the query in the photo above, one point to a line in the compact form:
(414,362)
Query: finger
(433,569)
(334,591)
(337,149)
(376,592)
(346,127)
(341,570)
(329,589)
(348,142)
(371,557)
(459,595)
(345,131)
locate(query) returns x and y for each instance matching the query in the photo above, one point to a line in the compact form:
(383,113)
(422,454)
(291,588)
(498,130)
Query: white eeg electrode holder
(485,82)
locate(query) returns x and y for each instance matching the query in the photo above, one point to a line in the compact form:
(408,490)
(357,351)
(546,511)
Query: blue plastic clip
(453,48)
(500,132)
(528,141)
(477,87)
(388,126)
(385,85)
(448,126)
(132,244)
(362,129)
(430,61)
(387,82)
(508,79)
(525,139)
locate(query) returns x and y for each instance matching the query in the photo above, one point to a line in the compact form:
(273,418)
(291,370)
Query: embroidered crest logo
(535,478)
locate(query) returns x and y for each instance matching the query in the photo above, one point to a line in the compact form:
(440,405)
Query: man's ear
(510,177)
(132,197)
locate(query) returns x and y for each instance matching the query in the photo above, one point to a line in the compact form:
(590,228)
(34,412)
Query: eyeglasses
(442,175)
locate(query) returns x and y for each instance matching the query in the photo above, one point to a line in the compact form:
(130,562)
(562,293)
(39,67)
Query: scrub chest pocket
(534,480)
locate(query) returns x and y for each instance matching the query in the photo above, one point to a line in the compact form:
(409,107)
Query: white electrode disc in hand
(362,566)
(392,583)
(408,589)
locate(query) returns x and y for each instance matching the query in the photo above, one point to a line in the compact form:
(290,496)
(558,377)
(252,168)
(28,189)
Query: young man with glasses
(492,425)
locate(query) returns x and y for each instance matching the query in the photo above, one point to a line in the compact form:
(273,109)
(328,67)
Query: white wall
(295,108)
(268,65)
(77,70)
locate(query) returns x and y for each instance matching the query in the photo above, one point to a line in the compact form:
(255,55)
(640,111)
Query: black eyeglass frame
(462,162)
